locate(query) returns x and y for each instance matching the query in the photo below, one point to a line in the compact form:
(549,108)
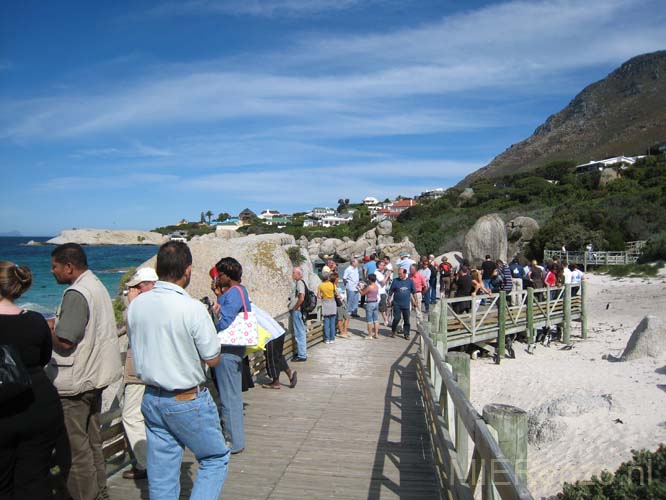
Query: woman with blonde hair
(32,422)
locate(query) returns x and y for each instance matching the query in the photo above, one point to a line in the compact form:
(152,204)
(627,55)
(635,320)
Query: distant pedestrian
(424,270)
(504,273)
(402,295)
(295,301)
(371,293)
(421,287)
(445,277)
(173,337)
(86,360)
(432,283)
(326,293)
(383,282)
(464,288)
(351,278)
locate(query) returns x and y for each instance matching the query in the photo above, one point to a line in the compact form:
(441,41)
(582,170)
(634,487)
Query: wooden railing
(115,445)
(527,311)
(595,258)
(452,421)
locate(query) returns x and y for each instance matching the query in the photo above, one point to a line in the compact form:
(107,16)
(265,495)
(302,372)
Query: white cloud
(104,183)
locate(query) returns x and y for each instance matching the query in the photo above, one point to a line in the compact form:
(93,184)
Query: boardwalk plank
(353,428)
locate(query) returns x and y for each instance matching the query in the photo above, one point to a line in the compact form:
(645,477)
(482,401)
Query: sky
(134,115)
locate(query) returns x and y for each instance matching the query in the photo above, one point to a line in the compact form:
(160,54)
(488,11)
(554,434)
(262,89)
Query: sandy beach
(588,413)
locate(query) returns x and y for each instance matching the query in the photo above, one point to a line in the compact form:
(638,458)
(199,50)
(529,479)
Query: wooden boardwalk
(353,428)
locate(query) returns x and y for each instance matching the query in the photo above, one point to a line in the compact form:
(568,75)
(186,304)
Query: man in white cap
(143,281)
(404,262)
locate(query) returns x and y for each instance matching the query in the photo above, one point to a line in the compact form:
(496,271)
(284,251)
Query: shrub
(295,255)
(644,478)
(655,249)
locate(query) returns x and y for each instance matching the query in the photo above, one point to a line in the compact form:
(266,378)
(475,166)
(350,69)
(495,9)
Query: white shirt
(567,276)
(576,276)
(380,279)
(351,278)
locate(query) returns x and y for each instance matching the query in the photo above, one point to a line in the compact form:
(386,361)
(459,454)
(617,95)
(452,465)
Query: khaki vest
(95,361)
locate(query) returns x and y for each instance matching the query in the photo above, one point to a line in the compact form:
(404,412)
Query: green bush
(631,270)
(642,478)
(655,248)
(295,255)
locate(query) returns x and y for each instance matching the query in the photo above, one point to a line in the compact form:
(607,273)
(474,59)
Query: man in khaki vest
(86,359)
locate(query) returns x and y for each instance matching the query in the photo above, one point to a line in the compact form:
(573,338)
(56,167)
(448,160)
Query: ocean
(109,263)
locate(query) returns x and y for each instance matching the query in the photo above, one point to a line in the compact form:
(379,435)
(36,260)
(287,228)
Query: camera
(125,292)
(209,305)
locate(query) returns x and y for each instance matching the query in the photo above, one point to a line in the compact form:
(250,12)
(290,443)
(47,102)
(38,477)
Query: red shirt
(551,279)
(419,282)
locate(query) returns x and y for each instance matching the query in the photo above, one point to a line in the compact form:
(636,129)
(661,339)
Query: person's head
(387,259)
(229,270)
(534,263)
(499,263)
(373,256)
(174,263)
(333,277)
(143,280)
(68,262)
(488,257)
(296,273)
(381,265)
(464,270)
(372,279)
(445,259)
(14,280)
(412,270)
(475,275)
(354,262)
(402,273)
(424,263)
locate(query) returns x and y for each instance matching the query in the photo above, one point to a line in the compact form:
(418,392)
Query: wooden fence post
(434,320)
(459,362)
(444,324)
(583,309)
(511,426)
(567,314)
(530,316)
(501,334)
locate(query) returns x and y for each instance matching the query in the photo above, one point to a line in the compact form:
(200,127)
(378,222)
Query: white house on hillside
(320,212)
(369,200)
(617,161)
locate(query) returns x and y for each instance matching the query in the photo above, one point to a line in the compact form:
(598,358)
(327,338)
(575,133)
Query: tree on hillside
(221,217)
(209,214)
(202,219)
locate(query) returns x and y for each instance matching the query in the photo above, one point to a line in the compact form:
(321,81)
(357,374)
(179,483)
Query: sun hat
(404,254)
(141,275)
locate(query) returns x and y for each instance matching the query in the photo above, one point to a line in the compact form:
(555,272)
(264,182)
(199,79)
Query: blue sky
(131,115)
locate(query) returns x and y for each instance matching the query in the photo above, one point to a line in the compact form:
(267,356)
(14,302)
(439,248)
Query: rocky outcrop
(108,237)
(266,267)
(647,340)
(486,237)
(377,240)
(520,232)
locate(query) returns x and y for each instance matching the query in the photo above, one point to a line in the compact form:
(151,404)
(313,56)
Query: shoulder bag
(14,378)
(244,330)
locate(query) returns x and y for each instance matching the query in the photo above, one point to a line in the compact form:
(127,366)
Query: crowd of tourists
(50,410)
(51,398)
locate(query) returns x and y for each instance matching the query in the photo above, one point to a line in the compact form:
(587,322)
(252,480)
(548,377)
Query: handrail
(511,487)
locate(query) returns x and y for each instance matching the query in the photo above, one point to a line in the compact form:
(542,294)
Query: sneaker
(297,359)
(135,473)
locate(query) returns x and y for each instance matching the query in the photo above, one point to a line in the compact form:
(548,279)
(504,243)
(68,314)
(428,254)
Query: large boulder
(520,232)
(487,236)
(384,228)
(647,340)
(394,250)
(329,246)
(266,267)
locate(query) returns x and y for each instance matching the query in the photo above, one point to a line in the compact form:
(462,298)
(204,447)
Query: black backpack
(309,302)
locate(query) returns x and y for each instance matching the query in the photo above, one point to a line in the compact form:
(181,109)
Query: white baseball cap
(141,275)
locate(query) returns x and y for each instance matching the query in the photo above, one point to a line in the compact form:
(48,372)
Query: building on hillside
(621,162)
(330,221)
(277,221)
(402,205)
(231,221)
(369,200)
(269,214)
(432,194)
(246,216)
(311,222)
(321,212)
(392,211)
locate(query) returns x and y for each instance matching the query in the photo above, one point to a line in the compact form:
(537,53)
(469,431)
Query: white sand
(597,391)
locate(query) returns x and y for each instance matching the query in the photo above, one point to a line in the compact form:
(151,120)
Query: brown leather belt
(180,394)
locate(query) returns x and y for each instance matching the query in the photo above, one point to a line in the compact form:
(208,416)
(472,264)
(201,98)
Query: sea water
(109,263)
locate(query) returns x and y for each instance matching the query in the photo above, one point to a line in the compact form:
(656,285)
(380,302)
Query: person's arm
(71,326)
(301,296)
(230,305)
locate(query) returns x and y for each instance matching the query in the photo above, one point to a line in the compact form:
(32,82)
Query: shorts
(371,314)
(383,303)
(341,313)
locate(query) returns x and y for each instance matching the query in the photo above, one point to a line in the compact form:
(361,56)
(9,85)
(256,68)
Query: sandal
(293,379)
(270,386)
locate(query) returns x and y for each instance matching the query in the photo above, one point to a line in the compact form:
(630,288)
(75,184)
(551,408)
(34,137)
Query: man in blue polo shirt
(172,336)
(401,295)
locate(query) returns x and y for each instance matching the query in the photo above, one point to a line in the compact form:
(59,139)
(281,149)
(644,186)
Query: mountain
(10,233)
(623,114)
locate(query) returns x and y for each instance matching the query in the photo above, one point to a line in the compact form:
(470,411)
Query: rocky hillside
(107,237)
(623,114)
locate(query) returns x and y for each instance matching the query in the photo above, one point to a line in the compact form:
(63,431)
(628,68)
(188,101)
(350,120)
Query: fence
(630,256)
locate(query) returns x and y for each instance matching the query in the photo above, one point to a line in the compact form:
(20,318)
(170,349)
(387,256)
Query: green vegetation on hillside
(192,228)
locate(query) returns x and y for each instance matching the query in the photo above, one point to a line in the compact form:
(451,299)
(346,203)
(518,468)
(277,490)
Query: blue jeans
(229,375)
(299,334)
(352,301)
(397,313)
(372,312)
(329,327)
(426,300)
(432,290)
(170,426)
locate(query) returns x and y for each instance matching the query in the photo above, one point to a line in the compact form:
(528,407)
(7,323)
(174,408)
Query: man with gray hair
(295,301)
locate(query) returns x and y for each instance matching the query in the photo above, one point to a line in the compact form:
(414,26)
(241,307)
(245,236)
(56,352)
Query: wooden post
(434,321)
(583,309)
(459,362)
(444,324)
(511,426)
(530,316)
(501,333)
(585,261)
(567,314)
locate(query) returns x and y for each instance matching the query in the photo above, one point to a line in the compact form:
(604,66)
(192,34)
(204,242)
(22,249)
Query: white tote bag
(243,331)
